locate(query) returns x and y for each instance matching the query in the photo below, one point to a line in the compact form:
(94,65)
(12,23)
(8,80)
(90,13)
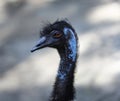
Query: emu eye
(57,35)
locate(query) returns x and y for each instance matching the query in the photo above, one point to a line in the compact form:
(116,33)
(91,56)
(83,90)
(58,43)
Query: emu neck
(63,88)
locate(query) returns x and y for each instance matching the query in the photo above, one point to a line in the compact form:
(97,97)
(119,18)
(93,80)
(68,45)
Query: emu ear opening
(67,32)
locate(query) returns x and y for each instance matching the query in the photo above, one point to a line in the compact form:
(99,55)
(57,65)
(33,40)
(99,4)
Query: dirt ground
(30,77)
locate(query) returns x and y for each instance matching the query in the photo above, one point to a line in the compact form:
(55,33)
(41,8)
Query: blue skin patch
(61,75)
(72,43)
(72,46)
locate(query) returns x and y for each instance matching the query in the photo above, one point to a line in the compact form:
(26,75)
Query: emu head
(54,35)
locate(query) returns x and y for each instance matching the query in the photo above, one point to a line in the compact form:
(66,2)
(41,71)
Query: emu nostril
(39,44)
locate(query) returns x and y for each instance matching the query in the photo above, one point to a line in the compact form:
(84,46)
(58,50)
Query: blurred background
(30,77)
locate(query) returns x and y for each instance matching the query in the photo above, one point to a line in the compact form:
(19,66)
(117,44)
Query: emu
(61,36)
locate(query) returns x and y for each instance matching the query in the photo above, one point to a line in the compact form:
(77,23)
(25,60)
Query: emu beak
(41,43)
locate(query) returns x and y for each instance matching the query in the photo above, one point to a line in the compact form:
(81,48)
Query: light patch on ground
(37,70)
(109,12)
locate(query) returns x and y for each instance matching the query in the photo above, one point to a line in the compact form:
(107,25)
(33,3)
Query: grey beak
(40,44)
